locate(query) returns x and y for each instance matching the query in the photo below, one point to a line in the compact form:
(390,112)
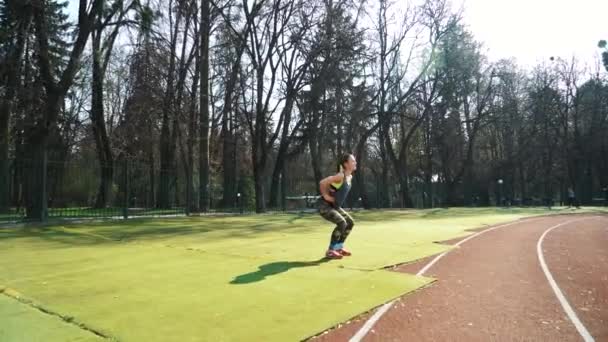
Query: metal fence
(135,189)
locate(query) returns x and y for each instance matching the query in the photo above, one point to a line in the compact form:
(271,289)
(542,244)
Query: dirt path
(492,288)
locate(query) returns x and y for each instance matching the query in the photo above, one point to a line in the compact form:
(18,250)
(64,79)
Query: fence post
(6,179)
(188,192)
(283,190)
(125,209)
(43,188)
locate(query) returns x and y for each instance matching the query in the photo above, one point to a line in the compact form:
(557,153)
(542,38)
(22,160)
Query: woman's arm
(324,186)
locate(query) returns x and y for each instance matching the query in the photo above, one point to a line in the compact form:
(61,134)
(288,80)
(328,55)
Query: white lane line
(365,329)
(560,296)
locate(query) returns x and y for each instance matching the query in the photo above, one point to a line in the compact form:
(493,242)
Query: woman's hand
(325,188)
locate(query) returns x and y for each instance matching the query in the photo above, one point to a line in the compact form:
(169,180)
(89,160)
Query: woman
(334,190)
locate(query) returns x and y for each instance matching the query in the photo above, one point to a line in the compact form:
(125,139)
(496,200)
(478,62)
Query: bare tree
(295,62)
(268,22)
(397,123)
(102,47)
(38,134)
(174,95)
(203,67)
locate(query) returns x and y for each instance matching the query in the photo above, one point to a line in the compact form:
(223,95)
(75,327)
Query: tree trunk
(384,194)
(260,188)
(167,150)
(360,154)
(35,182)
(229,163)
(522,180)
(282,152)
(450,193)
(165,165)
(152,184)
(229,139)
(276,180)
(316,135)
(36,164)
(102,142)
(191,200)
(204,108)
(259,178)
(4,161)
(162,198)
(429,191)
(359,179)
(406,199)
(339,96)
(258,145)
(469,186)
(284,189)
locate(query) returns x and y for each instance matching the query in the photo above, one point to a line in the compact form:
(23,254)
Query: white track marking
(558,293)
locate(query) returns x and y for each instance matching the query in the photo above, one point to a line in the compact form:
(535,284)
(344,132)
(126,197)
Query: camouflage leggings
(344,223)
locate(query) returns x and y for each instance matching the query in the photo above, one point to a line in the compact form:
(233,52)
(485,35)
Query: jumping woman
(334,190)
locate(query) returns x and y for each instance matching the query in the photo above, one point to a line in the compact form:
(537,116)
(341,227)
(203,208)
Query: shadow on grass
(81,236)
(149,229)
(300,216)
(218,228)
(274,268)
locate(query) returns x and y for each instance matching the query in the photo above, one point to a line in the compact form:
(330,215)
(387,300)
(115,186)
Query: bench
(309,201)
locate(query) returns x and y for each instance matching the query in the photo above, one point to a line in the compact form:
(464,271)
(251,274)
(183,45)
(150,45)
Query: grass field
(224,278)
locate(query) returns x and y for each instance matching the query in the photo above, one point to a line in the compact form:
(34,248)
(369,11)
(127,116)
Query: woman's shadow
(273,268)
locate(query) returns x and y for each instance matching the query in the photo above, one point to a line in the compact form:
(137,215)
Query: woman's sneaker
(344,252)
(333,254)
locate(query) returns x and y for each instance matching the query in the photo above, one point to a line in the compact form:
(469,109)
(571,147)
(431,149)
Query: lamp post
(500,191)
(238,202)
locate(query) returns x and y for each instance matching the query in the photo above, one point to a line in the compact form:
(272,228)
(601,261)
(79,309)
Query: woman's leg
(331,214)
(350,223)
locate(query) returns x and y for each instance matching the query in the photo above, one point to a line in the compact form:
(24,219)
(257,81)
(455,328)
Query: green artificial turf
(258,278)
(21,322)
